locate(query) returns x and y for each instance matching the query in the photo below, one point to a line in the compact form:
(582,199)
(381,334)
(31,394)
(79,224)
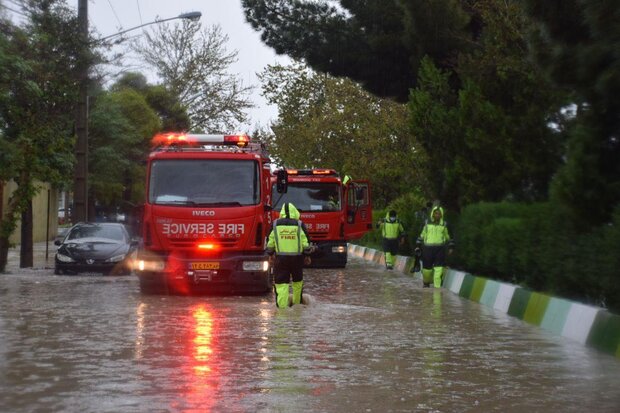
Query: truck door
(358,209)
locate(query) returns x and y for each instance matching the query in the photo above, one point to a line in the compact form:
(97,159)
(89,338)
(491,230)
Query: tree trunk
(26,259)
(4,244)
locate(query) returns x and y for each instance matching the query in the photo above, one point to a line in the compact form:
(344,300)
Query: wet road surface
(371,341)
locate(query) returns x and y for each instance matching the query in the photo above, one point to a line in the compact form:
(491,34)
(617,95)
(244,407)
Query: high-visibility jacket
(435,233)
(391,230)
(288,235)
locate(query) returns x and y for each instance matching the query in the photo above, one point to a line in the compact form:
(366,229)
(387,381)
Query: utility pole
(80,187)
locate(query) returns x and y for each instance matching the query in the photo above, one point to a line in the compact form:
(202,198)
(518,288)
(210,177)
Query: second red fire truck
(333,211)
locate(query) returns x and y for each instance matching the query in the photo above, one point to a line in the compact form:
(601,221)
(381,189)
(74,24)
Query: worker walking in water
(433,241)
(393,235)
(288,240)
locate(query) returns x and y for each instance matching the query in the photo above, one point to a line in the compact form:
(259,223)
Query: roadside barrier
(591,326)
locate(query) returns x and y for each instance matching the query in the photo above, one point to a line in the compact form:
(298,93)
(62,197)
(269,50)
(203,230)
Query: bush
(537,246)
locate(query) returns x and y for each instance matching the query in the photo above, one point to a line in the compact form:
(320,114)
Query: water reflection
(203,376)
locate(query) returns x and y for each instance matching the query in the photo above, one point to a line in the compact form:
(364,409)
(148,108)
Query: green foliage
(37,99)
(577,43)
(121,127)
(377,43)
(536,245)
(333,123)
(489,139)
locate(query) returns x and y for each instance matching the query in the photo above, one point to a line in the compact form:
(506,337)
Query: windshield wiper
(184,202)
(217,204)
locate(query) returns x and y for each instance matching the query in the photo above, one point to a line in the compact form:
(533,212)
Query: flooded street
(371,341)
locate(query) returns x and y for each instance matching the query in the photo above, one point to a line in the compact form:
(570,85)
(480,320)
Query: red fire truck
(206,216)
(334,211)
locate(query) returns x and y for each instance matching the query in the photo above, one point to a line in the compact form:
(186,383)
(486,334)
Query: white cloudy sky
(111,16)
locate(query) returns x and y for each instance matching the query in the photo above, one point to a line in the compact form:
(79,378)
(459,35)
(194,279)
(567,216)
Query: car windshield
(309,196)
(204,182)
(113,232)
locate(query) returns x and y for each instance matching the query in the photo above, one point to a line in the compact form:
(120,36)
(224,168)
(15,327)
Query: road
(371,341)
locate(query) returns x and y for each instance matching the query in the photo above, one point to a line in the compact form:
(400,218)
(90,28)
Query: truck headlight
(143,265)
(341,249)
(255,265)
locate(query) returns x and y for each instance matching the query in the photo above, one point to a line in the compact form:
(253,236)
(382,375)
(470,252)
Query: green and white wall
(592,326)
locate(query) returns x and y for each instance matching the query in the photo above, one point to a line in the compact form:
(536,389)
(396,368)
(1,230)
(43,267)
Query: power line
(115,15)
(17,2)
(13,10)
(139,11)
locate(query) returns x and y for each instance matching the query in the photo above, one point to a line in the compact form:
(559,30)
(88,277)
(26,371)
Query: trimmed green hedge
(535,245)
(532,245)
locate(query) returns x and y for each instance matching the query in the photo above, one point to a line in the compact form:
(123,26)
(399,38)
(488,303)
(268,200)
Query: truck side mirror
(282,183)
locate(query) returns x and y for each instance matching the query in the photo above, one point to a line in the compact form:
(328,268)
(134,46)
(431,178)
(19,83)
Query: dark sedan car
(95,247)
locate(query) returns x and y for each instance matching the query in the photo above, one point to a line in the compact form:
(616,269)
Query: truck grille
(318,235)
(190,243)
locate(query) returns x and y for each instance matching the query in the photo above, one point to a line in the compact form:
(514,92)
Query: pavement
(43,256)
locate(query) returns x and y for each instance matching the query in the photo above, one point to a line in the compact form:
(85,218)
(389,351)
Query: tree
(38,100)
(121,127)
(332,122)
(577,42)
(490,139)
(193,65)
(378,43)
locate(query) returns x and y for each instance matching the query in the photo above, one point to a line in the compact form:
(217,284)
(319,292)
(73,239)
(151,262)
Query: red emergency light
(207,246)
(183,139)
(323,172)
(312,172)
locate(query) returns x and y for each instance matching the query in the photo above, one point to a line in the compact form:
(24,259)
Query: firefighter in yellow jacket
(393,235)
(288,240)
(434,240)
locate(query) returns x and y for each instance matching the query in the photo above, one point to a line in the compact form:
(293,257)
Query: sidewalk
(39,261)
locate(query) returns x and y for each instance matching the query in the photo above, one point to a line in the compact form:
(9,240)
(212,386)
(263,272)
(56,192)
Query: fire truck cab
(206,216)
(333,211)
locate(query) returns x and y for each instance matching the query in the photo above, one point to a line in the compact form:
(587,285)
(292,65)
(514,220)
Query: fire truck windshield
(309,196)
(204,182)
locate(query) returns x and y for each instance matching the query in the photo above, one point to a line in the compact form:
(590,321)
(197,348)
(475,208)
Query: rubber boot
(437,276)
(427,277)
(389,261)
(298,287)
(281,291)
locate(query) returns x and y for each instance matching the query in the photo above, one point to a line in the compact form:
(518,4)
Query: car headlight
(255,265)
(64,258)
(116,258)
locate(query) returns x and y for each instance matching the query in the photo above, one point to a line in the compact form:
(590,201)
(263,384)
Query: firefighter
(393,234)
(288,240)
(434,240)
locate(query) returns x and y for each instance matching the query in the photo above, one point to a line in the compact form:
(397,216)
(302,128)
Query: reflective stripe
(275,231)
(299,237)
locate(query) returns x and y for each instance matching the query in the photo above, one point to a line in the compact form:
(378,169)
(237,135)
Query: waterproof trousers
(433,263)
(390,248)
(285,268)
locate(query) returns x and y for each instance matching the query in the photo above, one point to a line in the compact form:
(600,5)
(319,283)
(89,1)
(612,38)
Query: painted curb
(591,326)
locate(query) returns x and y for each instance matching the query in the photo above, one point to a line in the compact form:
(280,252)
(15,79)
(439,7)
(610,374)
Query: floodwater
(370,341)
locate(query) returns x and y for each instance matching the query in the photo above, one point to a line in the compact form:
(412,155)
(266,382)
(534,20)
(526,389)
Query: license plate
(205,265)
